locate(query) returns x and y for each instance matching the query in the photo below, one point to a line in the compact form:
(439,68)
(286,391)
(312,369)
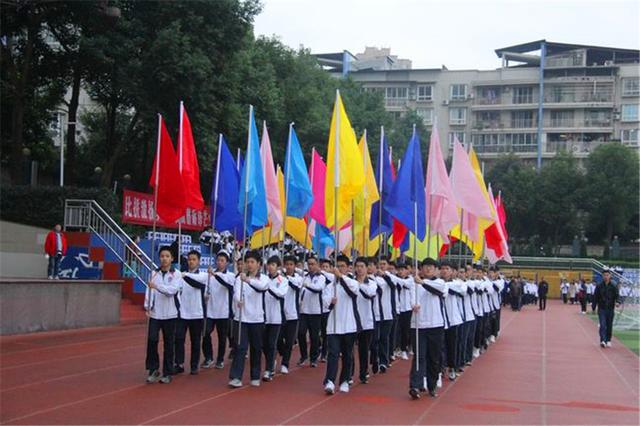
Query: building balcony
(603,125)
(576,147)
(488,125)
(396,103)
(505,149)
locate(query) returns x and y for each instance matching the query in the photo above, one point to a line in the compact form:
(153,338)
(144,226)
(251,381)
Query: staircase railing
(89,216)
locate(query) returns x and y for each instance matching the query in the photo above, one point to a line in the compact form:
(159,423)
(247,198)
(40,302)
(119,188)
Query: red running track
(546,368)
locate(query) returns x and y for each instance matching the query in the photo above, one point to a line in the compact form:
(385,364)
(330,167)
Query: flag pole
(336,190)
(415,268)
(287,166)
(460,240)
(365,226)
(155,190)
(246,206)
(380,186)
(306,234)
(180,143)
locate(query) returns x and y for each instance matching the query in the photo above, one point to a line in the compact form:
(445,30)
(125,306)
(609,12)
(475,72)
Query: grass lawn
(629,338)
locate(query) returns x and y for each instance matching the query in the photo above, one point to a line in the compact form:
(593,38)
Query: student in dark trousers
(366,301)
(327,267)
(343,324)
(274,315)
(311,312)
(543,290)
(429,318)
(289,331)
(248,297)
(387,305)
(605,298)
(160,302)
(191,295)
(219,300)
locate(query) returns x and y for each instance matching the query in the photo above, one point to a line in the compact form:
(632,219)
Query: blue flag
(297,186)
(322,240)
(224,192)
(381,221)
(252,190)
(408,193)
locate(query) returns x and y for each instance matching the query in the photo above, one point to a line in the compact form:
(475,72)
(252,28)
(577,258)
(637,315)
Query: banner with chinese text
(138,209)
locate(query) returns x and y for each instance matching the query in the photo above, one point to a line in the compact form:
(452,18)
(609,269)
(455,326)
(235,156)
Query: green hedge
(44,205)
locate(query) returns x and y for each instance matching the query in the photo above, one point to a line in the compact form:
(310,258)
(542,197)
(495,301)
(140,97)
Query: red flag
(166,178)
(445,246)
(188,161)
(502,215)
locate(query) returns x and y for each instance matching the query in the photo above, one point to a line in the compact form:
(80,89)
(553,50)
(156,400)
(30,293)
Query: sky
(458,34)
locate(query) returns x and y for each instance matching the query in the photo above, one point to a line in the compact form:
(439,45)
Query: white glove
(46,256)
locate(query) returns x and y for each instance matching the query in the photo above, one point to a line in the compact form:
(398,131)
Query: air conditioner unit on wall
(608,63)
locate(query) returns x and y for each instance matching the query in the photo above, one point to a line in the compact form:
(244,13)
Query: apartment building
(568,97)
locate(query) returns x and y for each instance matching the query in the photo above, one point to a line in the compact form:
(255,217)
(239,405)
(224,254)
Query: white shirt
(403,287)
(564,288)
(454,303)
(385,293)
(469,309)
(274,299)
(160,301)
(495,296)
(220,292)
(311,294)
(342,317)
(431,313)
(367,298)
(190,297)
(252,294)
(291,299)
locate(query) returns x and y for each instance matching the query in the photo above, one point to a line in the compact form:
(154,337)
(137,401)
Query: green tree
(611,194)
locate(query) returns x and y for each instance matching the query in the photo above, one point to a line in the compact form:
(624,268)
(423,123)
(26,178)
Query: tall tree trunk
(71,128)
(20,93)
(120,144)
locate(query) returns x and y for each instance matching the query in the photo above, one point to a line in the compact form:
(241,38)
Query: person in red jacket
(55,246)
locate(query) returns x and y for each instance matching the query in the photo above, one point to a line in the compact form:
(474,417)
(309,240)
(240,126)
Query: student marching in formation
(311,308)
(219,310)
(387,305)
(366,298)
(327,271)
(248,298)
(191,312)
(429,319)
(160,302)
(274,315)
(343,324)
(289,330)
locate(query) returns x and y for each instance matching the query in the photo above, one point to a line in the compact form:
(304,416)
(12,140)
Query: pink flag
(274,207)
(317,174)
(466,188)
(442,214)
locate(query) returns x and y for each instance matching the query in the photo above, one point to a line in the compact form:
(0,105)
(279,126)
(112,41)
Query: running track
(546,368)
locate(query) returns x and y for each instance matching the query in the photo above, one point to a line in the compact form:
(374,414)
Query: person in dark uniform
(543,290)
(605,298)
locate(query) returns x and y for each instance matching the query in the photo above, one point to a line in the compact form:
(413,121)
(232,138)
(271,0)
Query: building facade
(569,97)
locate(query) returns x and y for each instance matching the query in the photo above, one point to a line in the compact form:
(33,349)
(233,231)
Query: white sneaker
(608,344)
(603,344)
(329,388)
(50,277)
(235,383)
(452,375)
(439,380)
(404,355)
(476,352)
(344,387)
(492,339)
(255,383)
(284,369)
(266,376)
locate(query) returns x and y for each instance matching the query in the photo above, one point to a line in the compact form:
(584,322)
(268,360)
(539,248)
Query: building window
(458,135)
(561,118)
(488,95)
(521,119)
(457,116)
(521,138)
(630,112)
(426,114)
(597,118)
(631,87)
(523,95)
(458,92)
(488,120)
(396,93)
(629,136)
(425,93)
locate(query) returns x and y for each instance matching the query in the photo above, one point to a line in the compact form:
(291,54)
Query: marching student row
(448,317)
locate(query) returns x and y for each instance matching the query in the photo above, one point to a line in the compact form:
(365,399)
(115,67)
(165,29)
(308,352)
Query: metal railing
(87,215)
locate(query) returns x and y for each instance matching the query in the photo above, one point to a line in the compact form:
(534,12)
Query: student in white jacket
(248,294)
(430,319)
(219,302)
(191,298)
(342,325)
(453,308)
(274,315)
(311,312)
(366,302)
(289,330)
(497,283)
(160,304)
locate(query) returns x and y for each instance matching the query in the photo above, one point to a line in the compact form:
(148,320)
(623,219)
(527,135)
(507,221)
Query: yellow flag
(296,228)
(345,168)
(362,205)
